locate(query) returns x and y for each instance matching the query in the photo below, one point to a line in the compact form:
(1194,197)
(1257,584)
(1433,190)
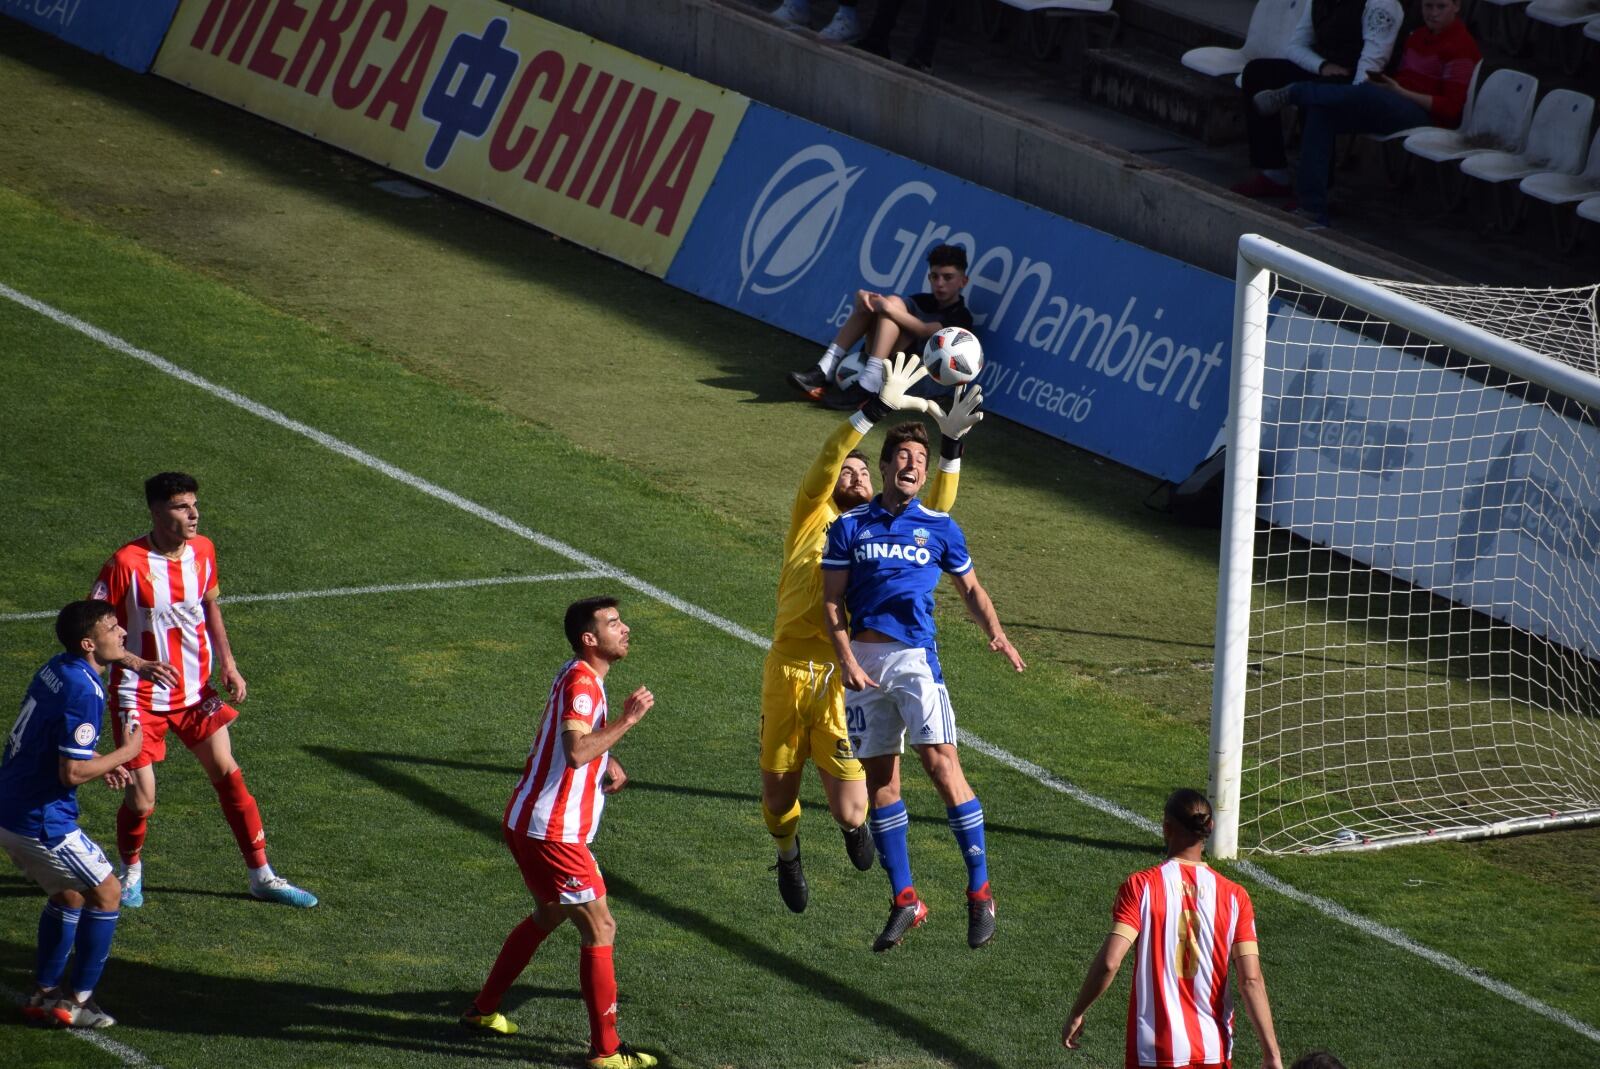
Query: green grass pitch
(383,731)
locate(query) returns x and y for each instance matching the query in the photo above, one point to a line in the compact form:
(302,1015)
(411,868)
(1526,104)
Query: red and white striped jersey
(1185,920)
(158,600)
(552,801)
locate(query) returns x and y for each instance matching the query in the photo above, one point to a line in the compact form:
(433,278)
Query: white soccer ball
(953,356)
(850,369)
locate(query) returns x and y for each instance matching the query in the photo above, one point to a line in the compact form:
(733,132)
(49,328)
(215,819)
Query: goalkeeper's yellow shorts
(802,715)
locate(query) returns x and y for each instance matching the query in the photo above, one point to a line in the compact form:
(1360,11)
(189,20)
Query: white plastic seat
(1498,121)
(1562,12)
(1591,29)
(1558,188)
(1589,209)
(1466,110)
(1271,24)
(1555,141)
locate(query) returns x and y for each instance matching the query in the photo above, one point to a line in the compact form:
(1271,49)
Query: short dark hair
(856,454)
(77,620)
(898,435)
(1317,1059)
(1190,810)
(580,619)
(948,256)
(166,485)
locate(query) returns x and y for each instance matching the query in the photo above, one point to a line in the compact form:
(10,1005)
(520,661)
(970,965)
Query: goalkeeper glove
(961,418)
(899,375)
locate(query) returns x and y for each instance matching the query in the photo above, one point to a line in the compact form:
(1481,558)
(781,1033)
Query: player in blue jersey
(881,565)
(50,751)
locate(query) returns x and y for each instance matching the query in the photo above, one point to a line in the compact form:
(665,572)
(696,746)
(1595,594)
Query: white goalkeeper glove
(899,375)
(963,414)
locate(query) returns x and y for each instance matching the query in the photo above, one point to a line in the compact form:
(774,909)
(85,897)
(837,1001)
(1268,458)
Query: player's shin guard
(966,822)
(889,832)
(57,927)
(93,946)
(131,827)
(599,982)
(514,956)
(239,807)
(783,826)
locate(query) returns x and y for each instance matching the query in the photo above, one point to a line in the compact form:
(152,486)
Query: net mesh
(1425,607)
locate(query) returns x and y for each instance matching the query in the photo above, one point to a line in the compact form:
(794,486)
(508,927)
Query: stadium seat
(1555,144)
(1555,141)
(1589,209)
(1271,24)
(1557,189)
(1561,26)
(1498,121)
(1397,164)
(1042,27)
(1502,26)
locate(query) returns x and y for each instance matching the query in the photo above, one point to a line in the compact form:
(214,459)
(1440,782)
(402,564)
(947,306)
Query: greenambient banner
(1093,340)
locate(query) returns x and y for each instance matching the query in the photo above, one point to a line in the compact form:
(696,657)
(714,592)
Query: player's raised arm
(981,609)
(964,415)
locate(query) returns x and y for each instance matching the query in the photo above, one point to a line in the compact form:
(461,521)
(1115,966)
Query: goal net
(1408,622)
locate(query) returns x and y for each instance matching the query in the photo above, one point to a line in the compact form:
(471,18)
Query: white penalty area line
(1327,908)
(356,591)
(122,1051)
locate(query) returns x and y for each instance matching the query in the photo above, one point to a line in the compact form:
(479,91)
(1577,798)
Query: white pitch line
(1328,908)
(353,591)
(127,1054)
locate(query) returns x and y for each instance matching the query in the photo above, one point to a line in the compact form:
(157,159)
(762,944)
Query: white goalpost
(1408,617)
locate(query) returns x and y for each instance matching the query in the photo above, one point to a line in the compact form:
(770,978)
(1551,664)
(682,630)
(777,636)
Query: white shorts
(73,864)
(910,698)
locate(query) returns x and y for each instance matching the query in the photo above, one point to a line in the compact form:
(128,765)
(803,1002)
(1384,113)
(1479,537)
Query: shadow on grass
(154,998)
(379,769)
(743,799)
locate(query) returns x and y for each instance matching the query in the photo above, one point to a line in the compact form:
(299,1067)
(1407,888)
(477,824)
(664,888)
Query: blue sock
(94,947)
(966,821)
(57,924)
(889,833)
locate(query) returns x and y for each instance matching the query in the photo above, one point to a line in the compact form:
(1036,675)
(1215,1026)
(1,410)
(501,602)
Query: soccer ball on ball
(953,356)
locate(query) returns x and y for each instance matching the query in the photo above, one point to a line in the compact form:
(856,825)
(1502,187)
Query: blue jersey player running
(882,563)
(50,751)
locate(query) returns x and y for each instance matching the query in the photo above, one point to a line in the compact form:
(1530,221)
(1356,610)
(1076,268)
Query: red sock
(599,983)
(514,957)
(131,828)
(243,817)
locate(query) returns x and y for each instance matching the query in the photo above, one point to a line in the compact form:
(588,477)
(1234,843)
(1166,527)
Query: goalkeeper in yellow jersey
(802,693)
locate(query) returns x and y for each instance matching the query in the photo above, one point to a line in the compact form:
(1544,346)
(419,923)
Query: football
(953,356)
(849,369)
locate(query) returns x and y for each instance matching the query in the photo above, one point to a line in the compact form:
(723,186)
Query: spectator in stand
(1342,42)
(887,14)
(1428,89)
(843,29)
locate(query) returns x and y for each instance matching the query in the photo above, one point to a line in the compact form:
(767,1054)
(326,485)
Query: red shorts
(556,873)
(192,725)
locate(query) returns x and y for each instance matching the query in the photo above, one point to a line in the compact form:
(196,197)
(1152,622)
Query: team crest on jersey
(84,735)
(583,705)
(921,536)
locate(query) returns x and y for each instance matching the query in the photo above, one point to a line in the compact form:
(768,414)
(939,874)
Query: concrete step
(1171,28)
(1157,88)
